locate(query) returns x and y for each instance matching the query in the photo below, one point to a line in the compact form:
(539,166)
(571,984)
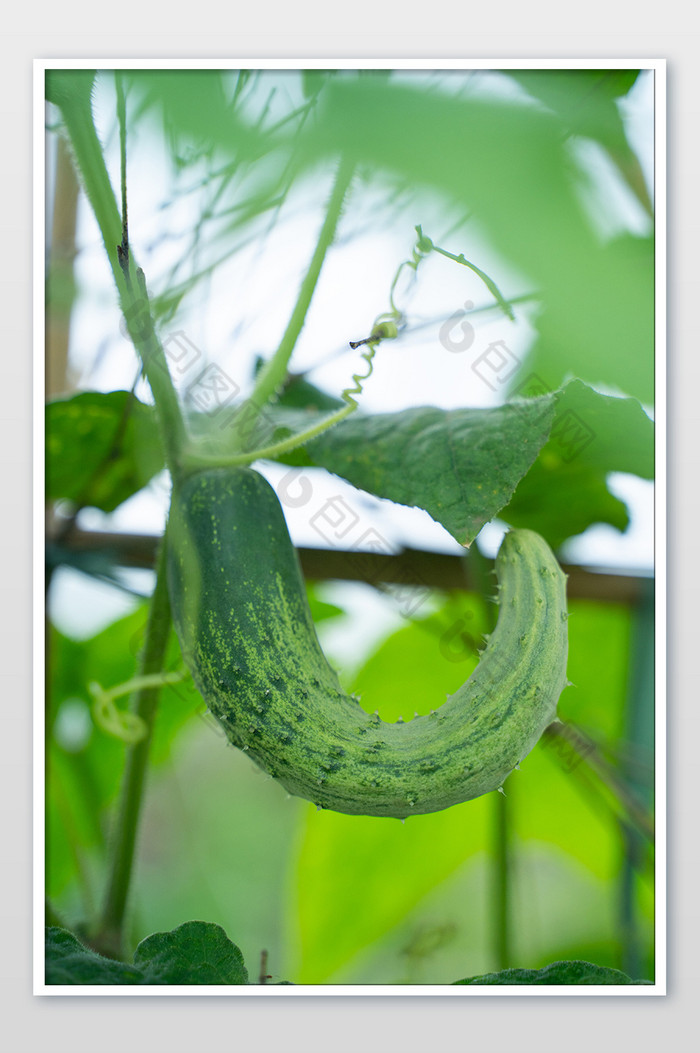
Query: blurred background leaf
(367,889)
(101,447)
(508,164)
(566,489)
(84,762)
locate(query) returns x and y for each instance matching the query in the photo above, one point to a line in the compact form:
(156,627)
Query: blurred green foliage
(337,898)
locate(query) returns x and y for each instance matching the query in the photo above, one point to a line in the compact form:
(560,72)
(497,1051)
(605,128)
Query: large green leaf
(357,878)
(194,953)
(101,447)
(556,973)
(586,101)
(608,339)
(602,432)
(587,105)
(461,466)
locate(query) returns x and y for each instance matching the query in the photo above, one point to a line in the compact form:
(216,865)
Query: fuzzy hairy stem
(71,92)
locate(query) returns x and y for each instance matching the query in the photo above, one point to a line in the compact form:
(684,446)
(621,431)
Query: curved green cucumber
(241,614)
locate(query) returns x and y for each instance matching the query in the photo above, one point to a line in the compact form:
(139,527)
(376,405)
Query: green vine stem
(274,371)
(71,92)
(192,460)
(109,938)
(501,888)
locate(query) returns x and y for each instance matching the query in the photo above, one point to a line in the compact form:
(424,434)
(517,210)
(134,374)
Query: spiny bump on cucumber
(245,628)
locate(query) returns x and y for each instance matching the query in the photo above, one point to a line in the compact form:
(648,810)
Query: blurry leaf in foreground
(194,109)
(584,100)
(510,165)
(607,338)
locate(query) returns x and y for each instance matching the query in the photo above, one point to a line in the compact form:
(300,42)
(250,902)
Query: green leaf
(299,393)
(561,495)
(69,962)
(556,973)
(320,610)
(100,448)
(585,100)
(608,339)
(461,466)
(565,491)
(358,878)
(194,953)
(586,103)
(603,432)
(194,109)
(560,501)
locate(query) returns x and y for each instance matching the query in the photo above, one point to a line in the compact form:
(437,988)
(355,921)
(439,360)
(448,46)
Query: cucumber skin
(242,618)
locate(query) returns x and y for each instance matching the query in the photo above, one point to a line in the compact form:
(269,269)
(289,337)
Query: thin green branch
(501,884)
(110,935)
(274,371)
